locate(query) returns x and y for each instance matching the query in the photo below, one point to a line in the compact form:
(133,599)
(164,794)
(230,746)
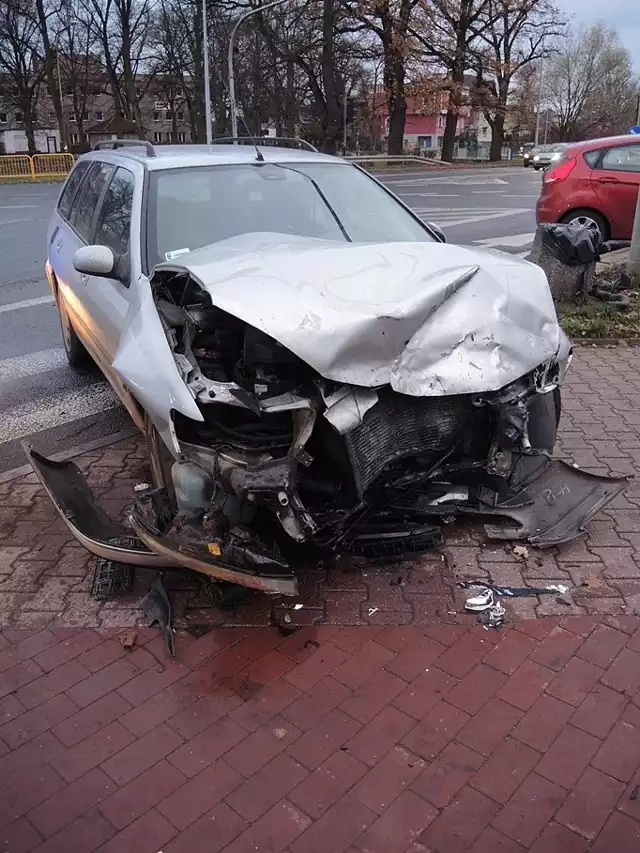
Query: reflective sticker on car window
(171,256)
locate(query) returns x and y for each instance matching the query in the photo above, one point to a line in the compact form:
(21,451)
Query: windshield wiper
(322,196)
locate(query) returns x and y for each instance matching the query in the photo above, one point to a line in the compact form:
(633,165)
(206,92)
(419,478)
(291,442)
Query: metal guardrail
(39,167)
(15,167)
(392,158)
(51,165)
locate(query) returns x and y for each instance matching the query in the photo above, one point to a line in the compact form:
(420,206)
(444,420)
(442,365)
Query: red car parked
(595,184)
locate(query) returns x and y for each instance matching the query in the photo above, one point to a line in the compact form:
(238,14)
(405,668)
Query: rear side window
(90,194)
(71,187)
(114,220)
(623,158)
(592,157)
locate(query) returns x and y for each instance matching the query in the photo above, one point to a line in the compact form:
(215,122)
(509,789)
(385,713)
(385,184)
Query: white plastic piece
(482,601)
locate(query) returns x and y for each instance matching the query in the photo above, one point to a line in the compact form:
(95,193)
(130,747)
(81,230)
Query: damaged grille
(400,427)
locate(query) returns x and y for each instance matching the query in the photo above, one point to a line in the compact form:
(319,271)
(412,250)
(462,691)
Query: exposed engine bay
(285,458)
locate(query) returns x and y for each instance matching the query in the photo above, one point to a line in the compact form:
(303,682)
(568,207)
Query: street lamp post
(232,83)
(540,73)
(207,87)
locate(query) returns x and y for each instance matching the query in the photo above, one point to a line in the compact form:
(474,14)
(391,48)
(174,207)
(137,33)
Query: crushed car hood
(425,318)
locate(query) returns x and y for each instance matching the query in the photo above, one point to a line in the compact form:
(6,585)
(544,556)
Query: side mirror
(437,231)
(94,260)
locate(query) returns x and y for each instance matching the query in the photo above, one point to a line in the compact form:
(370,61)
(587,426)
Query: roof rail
(112,144)
(267,141)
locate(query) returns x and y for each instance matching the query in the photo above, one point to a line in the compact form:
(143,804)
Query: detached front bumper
(101,535)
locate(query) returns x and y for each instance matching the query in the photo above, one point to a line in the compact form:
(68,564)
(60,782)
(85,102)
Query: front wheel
(160,461)
(77,356)
(544,419)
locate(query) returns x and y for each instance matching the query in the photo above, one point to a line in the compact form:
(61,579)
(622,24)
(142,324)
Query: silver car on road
(314,369)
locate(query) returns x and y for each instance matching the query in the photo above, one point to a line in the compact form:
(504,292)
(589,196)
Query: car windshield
(193,207)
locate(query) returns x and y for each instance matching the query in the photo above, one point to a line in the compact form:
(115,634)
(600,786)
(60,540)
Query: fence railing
(39,167)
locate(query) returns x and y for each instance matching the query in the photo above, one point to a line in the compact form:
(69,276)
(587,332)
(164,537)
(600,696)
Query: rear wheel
(590,219)
(77,356)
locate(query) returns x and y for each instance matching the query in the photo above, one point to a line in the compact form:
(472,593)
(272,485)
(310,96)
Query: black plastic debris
(157,608)
(380,544)
(513,591)
(110,579)
(573,245)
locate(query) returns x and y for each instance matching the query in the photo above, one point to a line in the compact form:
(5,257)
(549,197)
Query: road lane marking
(514,240)
(25,303)
(32,363)
(432,195)
(446,222)
(38,415)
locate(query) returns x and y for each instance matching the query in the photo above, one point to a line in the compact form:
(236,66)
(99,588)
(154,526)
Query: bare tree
(122,29)
(45,12)
(517,33)
(80,69)
(390,21)
(447,29)
(589,85)
(21,60)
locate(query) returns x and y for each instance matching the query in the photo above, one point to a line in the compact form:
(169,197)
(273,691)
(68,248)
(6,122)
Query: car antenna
(259,154)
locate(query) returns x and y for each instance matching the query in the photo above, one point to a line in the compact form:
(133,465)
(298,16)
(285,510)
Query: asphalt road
(45,402)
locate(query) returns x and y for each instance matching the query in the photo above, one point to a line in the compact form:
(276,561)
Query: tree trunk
(29,131)
(497,136)
(52,81)
(290,124)
(394,76)
(449,136)
(331,130)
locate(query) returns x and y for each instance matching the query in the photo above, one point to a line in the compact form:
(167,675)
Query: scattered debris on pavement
(157,608)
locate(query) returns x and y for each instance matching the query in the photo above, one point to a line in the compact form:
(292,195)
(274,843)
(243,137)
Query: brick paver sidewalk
(385,740)
(377,727)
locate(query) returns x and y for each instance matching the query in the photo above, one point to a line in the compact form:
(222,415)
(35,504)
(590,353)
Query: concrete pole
(232,80)
(634,252)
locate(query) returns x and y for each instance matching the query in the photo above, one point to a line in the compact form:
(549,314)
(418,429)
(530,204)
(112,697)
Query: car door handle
(608,181)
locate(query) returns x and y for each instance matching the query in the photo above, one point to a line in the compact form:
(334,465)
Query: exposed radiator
(401,427)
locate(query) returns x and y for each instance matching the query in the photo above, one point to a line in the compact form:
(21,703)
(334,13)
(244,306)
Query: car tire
(77,355)
(544,418)
(584,216)
(160,461)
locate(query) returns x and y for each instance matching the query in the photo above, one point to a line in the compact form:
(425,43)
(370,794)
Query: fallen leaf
(521,552)
(592,582)
(128,639)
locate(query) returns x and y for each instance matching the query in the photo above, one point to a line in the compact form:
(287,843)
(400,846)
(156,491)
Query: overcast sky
(624,15)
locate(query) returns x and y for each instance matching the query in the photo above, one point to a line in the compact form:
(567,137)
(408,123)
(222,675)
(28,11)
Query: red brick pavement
(45,576)
(350,740)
